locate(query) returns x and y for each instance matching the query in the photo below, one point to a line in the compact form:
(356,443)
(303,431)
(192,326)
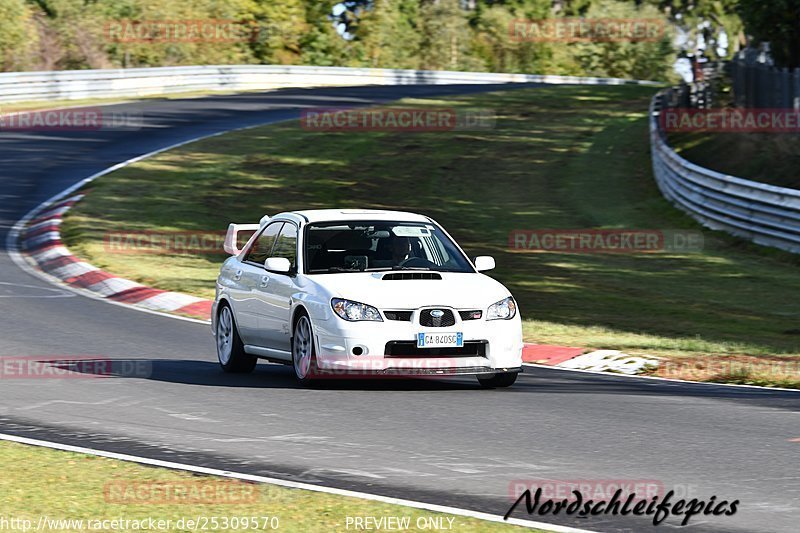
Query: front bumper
(411,371)
(379,347)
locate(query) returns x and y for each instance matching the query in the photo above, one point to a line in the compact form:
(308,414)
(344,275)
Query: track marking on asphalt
(341,473)
(461,468)
(12,239)
(67,402)
(191,417)
(59,293)
(294,485)
(299,437)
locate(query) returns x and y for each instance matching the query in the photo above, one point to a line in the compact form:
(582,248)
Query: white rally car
(346,292)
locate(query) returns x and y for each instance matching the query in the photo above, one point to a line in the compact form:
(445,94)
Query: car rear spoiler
(231,245)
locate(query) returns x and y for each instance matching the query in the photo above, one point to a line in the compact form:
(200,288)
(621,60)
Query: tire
(230,349)
(499,380)
(304,356)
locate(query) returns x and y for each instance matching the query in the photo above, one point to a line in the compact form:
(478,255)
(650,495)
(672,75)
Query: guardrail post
(796,91)
(786,89)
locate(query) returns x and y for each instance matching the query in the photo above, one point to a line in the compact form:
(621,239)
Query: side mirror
(278,264)
(484,262)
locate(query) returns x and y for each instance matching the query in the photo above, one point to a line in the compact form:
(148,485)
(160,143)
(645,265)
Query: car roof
(334,215)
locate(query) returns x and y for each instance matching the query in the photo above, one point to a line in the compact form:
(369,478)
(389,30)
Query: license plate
(440,340)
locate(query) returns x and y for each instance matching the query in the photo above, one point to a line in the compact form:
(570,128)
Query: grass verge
(771,158)
(83,489)
(558,157)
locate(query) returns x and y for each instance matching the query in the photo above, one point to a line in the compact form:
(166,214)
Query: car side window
(262,247)
(287,244)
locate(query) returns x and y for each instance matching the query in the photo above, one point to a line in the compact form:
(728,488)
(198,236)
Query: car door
(275,296)
(251,274)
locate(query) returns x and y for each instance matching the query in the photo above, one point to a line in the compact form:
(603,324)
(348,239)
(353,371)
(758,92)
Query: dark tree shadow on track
(553,381)
(534,380)
(265,376)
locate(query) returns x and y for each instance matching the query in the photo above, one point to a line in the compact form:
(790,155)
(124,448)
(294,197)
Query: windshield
(367,246)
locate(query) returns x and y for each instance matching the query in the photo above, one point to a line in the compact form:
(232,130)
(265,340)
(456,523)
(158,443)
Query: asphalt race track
(444,442)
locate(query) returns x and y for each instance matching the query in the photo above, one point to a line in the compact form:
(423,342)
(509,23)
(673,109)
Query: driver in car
(401,249)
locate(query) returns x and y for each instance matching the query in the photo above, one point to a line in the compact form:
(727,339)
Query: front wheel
(230,349)
(304,359)
(501,379)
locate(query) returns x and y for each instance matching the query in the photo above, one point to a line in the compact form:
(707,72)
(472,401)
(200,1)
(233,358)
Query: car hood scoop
(457,290)
(411,275)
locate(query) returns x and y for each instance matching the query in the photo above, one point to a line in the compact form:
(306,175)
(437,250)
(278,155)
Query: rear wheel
(503,379)
(230,349)
(304,358)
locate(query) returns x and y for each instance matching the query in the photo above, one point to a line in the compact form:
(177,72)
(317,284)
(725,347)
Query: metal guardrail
(79,84)
(765,214)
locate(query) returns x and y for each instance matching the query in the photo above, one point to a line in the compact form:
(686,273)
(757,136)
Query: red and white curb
(43,249)
(610,361)
(567,357)
(43,253)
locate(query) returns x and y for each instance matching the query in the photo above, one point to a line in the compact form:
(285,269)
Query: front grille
(428,320)
(403,316)
(472,314)
(412,275)
(409,349)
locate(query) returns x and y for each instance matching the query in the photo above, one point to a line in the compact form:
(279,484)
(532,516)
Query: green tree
(387,34)
(703,23)
(536,9)
(445,42)
(167,52)
(645,59)
(320,43)
(776,22)
(77,34)
(71,35)
(498,48)
(280,30)
(17,35)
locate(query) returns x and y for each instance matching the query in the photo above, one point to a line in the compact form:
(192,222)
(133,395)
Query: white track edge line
(62,107)
(658,378)
(95,296)
(12,239)
(292,484)
(179,95)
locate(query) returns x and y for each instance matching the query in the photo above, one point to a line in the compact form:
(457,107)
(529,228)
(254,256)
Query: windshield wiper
(377,269)
(346,269)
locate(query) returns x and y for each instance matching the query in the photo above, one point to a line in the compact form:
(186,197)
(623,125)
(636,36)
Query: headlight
(502,310)
(355,311)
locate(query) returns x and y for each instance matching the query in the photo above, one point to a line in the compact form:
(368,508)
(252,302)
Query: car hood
(458,290)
